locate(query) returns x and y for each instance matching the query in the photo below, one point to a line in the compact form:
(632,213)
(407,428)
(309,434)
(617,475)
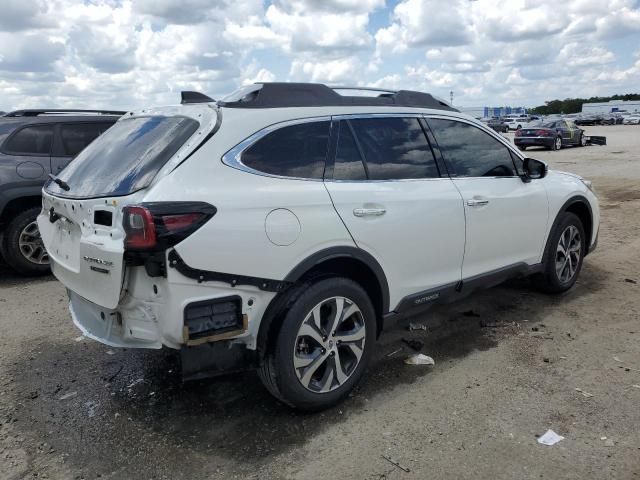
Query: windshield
(125,158)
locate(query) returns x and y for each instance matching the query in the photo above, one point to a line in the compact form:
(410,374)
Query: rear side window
(471,152)
(394,148)
(295,151)
(126,157)
(33,140)
(76,137)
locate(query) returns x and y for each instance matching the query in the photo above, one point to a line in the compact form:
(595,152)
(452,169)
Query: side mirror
(534,169)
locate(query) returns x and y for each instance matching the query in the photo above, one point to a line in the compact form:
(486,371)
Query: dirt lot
(73,408)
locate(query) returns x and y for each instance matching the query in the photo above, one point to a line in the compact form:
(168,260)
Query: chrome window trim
(233,158)
(484,128)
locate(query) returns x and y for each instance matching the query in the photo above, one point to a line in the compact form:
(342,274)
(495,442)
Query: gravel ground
(508,363)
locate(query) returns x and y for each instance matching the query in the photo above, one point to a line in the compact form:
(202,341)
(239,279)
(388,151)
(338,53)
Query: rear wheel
(564,254)
(22,246)
(522,147)
(323,346)
(557,144)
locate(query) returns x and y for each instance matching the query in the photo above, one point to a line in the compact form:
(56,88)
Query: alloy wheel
(329,344)
(558,143)
(568,253)
(31,245)
(583,140)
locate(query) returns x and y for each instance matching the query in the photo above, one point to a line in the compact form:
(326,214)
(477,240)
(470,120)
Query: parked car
(588,119)
(515,122)
(496,124)
(552,135)
(34,144)
(632,119)
(283,227)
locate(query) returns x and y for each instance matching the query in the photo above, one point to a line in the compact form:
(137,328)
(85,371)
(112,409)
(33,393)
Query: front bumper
(534,141)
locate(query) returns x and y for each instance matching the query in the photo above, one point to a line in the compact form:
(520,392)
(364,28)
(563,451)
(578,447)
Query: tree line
(574,105)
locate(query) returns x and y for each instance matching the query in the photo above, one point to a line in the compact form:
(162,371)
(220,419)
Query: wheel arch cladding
(580,207)
(16,205)
(348,262)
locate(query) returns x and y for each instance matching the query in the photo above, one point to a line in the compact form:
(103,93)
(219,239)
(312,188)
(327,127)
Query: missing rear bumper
(213,320)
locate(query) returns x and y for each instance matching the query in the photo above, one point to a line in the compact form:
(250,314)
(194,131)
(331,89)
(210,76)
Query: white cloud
(133,53)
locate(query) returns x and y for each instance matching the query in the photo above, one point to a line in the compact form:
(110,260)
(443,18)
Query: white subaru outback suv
(282,228)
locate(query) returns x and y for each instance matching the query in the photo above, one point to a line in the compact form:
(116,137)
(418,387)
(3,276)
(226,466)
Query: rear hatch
(82,217)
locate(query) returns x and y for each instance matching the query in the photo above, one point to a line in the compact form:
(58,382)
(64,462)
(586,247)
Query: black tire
(549,280)
(277,371)
(11,252)
(557,145)
(522,147)
(581,140)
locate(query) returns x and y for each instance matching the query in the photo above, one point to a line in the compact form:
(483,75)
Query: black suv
(34,144)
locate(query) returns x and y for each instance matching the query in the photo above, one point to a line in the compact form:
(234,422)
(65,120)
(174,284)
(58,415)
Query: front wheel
(583,140)
(563,256)
(522,147)
(323,347)
(22,247)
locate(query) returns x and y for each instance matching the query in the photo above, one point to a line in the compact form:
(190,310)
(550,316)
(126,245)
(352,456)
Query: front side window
(294,151)
(471,152)
(394,148)
(34,140)
(76,137)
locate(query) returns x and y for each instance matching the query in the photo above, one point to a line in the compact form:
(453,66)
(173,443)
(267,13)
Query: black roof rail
(34,112)
(194,97)
(281,94)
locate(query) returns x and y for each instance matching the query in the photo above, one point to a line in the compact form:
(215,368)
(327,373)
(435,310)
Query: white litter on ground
(550,438)
(419,359)
(68,395)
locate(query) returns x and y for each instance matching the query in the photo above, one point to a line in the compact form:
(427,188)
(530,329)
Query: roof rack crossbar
(282,95)
(34,112)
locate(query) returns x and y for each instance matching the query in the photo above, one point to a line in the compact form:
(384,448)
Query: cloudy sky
(130,54)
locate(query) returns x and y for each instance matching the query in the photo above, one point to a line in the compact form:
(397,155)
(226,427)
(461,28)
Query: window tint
(394,148)
(35,140)
(75,137)
(348,165)
(293,151)
(126,158)
(470,152)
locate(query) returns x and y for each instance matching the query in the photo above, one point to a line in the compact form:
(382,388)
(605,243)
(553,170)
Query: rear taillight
(159,225)
(518,133)
(543,133)
(139,227)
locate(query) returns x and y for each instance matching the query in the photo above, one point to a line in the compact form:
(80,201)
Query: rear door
(28,151)
(71,139)
(388,190)
(506,218)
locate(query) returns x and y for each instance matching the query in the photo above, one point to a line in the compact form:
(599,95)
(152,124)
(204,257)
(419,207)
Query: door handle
(477,203)
(369,212)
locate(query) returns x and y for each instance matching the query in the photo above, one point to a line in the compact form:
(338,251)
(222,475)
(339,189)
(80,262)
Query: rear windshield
(125,158)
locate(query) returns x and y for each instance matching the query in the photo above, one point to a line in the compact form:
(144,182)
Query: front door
(388,191)
(506,218)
